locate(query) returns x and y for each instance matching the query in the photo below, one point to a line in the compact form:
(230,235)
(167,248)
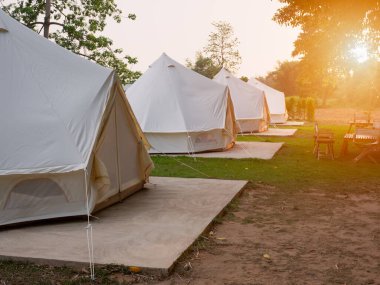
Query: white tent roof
(51,103)
(275,98)
(126,86)
(3,27)
(170,98)
(249,101)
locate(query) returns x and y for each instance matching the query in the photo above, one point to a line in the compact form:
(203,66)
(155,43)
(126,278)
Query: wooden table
(359,124)
(368,138)
(349,138)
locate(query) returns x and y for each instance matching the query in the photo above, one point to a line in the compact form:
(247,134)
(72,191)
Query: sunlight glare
(360,53)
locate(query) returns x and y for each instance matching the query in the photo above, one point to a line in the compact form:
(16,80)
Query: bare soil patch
(266,236)
(309,236)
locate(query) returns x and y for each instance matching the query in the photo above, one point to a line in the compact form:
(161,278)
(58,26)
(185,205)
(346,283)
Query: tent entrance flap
(117,165)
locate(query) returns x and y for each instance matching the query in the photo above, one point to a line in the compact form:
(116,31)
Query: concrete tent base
(259,150)
(277,132)
(150,230)
(290,123)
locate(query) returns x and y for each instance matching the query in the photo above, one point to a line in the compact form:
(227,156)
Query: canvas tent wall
(276,101)
(181,111)
(251,109)
(126,86)
(69,141)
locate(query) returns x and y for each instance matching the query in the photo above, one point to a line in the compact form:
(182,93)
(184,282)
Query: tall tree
(222,47)
(331,28)
(285,78)
(203,65)
(331,31)
(77,25)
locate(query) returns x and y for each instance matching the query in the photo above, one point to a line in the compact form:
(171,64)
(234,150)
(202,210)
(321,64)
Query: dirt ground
(306,237)
(268,236)
(340,115)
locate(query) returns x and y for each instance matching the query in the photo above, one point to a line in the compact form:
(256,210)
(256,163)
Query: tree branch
(84,55)
(41,23)
(57,23)
(35,23)
(59,10)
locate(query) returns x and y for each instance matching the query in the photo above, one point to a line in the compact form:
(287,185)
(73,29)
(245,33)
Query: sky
(180,28)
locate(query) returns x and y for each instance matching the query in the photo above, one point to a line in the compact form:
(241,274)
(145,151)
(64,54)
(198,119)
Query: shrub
(310,109)
(291,103)
(300,108)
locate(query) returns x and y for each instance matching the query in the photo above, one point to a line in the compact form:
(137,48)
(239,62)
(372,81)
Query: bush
(310,109)
(300,108)
(291,103)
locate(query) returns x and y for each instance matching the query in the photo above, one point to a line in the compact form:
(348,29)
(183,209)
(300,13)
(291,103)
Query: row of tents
(72,143)
(181,111)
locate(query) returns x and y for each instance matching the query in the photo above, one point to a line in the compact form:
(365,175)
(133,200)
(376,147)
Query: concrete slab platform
(150,229)
(277,132)
(259,150)
(289,123)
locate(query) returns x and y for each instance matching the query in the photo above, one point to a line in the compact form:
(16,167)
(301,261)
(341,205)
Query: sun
(360,53)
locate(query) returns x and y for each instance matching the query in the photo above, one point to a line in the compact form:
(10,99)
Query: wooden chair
(326,137)
(369,142)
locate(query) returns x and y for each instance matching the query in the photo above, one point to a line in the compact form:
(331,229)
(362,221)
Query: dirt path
(306,237)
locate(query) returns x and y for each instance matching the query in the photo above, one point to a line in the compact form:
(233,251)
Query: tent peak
(166,61)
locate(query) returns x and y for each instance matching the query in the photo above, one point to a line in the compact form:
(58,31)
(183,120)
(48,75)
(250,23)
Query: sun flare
(360,53)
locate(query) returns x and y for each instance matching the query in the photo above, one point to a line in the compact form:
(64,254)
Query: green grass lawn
(294,166)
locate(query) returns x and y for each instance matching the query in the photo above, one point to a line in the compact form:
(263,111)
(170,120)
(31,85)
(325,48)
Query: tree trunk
(47,18)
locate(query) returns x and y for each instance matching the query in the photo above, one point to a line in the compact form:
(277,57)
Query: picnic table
(349,137)
(368,139)
(359,124)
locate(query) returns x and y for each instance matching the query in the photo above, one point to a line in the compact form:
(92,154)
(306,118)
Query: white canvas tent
(69,141)
(276,101)
(251,109)
(126,86)
(181,111)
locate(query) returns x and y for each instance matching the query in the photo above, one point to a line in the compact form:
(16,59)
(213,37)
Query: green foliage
(300,108)
(244,78)
(203,65)
(78,26)
(221,51)
(222,47)
(310,109)
(291,103)
(330,30)
(285,78)
(362,87)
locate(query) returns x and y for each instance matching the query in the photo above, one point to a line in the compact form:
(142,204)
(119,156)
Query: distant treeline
(359,88)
